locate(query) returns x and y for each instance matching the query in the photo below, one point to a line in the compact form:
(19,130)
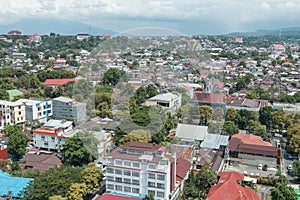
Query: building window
(118,162)
(160,177)
(127,180)
(118,171)
(127,189)
(20,112)
(109,170)
(46,143)
(126,172)
(151,166)
(52,139)
(118,187)
(160,194)
(135,174)
(110,187)
(127,163)
(136,190)
(151,176)
(109,178)
(151,184)
(43,137)
(151,192)
(160,185)
(135,182)
(118,179)
(135,164)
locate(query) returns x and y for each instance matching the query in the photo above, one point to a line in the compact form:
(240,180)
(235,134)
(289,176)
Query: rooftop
(214,141)
(164,97)
(58,81)
(191,132)
(58,124)
(202,97)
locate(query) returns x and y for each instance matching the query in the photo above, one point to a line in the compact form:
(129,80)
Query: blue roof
(13,184)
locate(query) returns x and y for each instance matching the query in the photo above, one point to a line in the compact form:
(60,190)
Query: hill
(292,31)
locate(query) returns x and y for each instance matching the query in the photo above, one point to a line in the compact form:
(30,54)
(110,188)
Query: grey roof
(214,141)
(63,99)
(191,132)
(58,124)
(164,97)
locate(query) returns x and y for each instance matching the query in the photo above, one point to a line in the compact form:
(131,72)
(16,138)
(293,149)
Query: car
(289,167)
(259,167)
(265,168)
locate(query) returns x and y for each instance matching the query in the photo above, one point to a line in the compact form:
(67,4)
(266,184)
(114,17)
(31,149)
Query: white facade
(169,101)
(11,113)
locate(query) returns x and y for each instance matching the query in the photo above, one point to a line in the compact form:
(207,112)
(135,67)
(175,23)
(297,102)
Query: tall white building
(138,169)
(11,113)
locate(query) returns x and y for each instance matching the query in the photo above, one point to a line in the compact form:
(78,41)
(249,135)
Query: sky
(186,16)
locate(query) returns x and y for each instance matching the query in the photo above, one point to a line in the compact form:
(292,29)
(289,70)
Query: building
(12,113)
(13,93)
(191,134)
(41,162)
(138,169)
(248,104)
(57,82)
(229,187)
(37,110)
(3,151)
(171,101)
(83,36)
(69,109)
(209,99)
(52,135)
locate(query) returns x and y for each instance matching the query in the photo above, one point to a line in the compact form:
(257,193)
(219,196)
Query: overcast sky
(187,16)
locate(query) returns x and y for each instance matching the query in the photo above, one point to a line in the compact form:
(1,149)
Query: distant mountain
(292,31)
(47,26)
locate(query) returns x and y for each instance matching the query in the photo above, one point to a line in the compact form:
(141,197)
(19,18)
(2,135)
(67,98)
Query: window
(135,174)
(118,162)
(52,139)
(126,172)
(127,189)
(151,184)
(118,187)
(135,164)
(151,166)
(161,177)
(151,192)
(20,112)
(118,171)
(127,180)
(118,179)
(110,187)
(160,185)
(127,163)
(151,176)
(109,178)
(160,194)
(136,190)
(109,170)
(43,137)
(135,182)
(46,143)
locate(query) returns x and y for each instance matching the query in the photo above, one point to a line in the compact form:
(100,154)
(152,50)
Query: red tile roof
(107,196)
(3,153)
(182,168)
(249,139)
(201,97)
(59,81)
(229,189)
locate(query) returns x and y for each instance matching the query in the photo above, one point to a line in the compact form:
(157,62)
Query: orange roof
(229,189)
(250,139)
(58,81)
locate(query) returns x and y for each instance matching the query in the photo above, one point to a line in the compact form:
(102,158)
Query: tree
(230,128)
(76,153)
(231,114)
(136,136)
(77,191)
(278,120)
(55,181)
(282,190)
(112,76)
(151,91)
(218,115)
(92,178)
(10,129)
(4,94)
(149,197)
(205,114)
(243,118)
(17,143)
(265,116)
(57,197)
(296,168)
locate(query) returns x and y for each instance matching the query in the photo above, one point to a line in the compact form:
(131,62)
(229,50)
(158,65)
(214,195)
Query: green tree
(265,116)
(112,76)
(17,143)
(230,128)
(136,136)
(151,91)
(231,114)
(296,168)
(57,197)
(205,114)
(77,191)
(279,118)
(92,178)
(149,197)
(282,190)
(218,115)
(10,129)
(4,94)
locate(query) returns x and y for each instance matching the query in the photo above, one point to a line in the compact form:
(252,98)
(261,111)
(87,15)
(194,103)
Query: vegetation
(17,143)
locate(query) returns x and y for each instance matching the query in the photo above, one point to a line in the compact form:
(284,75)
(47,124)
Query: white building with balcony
(138,169)
(11,113)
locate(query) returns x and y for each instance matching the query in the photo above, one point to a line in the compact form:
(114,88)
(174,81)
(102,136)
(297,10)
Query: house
(137,169)
(209,99)
(14,93)
(69,109)
(212,157)
(183,168)
(37,110)
(41,162)
(191,134)
(52,135)
(3,151)
(215,141)
(83,36)
(248,104)
(12,113)
(57,82)
(228,188)
(170,101)
(12,186)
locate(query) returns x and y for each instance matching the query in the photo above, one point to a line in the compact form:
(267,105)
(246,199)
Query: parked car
(289,167)
(265,168)
(259,167)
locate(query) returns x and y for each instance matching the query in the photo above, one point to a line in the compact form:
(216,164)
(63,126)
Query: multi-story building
(52,134)
(12,113)
(69,109)
(37,110)
(138,169)
(171,101)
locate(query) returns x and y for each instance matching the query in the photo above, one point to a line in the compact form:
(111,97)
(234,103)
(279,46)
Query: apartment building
(12,113)
(69,109)
(37,110)
(171,101)
(138,169)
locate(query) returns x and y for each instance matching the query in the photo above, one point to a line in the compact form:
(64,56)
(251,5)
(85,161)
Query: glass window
(160,185)
(135,182)
(109,170)
(127,163)
(110,187)
(151,166)
(126,173)
(127,180)
(118,179)
(135,164)
(161,177)
(109,178)
(118,187)
(127,189)
(151,184)
(160,194)
(118,171)
(118,162)
(136,190)
(151,176)
(135,174)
